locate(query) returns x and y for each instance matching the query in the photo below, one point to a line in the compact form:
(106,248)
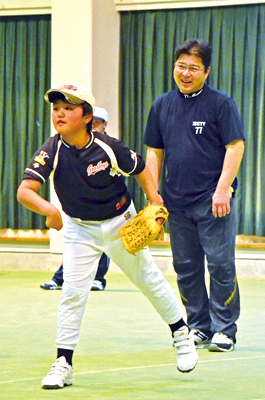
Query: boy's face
(190,80)
(68,118)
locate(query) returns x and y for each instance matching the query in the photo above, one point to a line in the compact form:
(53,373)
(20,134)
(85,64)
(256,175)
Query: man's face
(99,125)
(190,80)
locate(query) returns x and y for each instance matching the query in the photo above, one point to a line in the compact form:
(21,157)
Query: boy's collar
(74,147)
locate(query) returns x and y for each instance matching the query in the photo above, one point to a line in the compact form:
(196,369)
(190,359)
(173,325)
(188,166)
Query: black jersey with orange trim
(89,182)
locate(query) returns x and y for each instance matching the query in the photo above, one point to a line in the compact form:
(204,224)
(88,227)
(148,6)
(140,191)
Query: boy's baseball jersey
(88,181)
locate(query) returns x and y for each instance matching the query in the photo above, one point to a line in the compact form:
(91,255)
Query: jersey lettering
(198,126)
(92,170)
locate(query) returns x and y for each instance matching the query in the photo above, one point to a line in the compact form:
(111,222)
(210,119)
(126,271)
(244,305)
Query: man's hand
(222,195)
(221,203)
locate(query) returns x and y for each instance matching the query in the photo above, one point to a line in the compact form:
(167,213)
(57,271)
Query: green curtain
(147,45)
(25,66)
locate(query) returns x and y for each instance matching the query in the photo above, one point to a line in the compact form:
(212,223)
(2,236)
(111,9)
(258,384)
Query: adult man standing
(196,131)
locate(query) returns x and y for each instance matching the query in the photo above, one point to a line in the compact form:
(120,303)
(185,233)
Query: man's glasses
(184,67)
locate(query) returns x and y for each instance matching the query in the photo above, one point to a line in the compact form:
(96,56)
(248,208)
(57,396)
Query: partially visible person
(56,282)
(99,124)
(197,132)
(87,167)
(99,283)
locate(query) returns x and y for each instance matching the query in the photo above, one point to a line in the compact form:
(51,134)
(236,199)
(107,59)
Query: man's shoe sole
(215,347)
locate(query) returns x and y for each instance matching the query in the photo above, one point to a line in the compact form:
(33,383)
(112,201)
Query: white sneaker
(97,285)
(51,285)
(187,356)
(60,375)
(221,342)
(201,341)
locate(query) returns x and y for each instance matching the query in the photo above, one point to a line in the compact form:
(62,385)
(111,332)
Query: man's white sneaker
(97,285)
(187,356)
(51,285)
(221,342)
(201,341)
(60,375)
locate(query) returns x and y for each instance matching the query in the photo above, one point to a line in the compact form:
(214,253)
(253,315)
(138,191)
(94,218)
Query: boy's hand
(54,220)
(158,202)
(141,231)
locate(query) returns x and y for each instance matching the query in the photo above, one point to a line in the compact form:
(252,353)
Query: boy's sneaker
(221,342)
(201,341)
(51,285)
(60,375)
(187,356)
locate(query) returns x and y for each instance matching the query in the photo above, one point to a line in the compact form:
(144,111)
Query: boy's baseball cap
(100,113)
(73,93)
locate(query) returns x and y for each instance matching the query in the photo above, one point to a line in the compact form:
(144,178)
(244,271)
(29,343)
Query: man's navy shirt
(194,131)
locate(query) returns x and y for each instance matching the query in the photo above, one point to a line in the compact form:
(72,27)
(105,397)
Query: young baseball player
(87,168)
(99,124)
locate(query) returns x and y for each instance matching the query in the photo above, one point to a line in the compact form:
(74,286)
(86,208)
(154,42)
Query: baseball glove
(141,231)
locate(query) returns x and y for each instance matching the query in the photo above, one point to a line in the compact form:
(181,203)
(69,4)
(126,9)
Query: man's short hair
(196,47)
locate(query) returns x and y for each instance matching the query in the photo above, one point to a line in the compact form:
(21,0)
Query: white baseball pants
(84,242)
